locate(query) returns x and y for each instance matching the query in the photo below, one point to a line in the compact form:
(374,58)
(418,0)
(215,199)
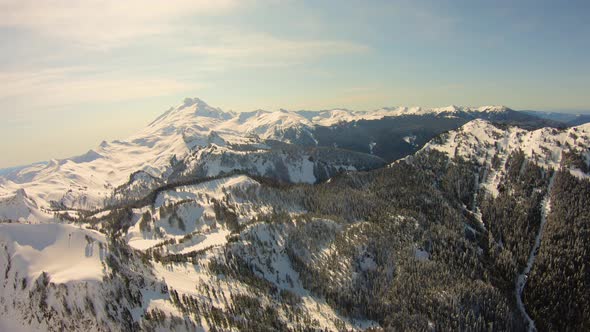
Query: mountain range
(404,218)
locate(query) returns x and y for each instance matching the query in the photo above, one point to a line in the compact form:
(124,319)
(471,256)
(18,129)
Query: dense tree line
(557,294)
(513,218)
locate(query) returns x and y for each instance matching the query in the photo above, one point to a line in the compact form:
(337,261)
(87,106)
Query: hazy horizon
(72,78)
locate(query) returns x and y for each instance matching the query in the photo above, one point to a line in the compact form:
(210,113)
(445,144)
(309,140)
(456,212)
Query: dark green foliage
(225,214)
(557,294)
(387,133)
(245,313)
(513,218)
(119,221)
(144,223)
(459,182)
(574,159)
(384,218)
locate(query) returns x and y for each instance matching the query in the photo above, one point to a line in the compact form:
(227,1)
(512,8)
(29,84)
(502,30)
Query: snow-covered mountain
(202,141)
(287,220)
(480,138)
(86,181)
(487,144)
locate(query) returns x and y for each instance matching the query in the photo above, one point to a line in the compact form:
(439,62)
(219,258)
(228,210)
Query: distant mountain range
(196,140)
(570,119)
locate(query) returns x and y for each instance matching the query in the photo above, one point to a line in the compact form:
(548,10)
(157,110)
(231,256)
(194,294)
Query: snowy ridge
(331,117)
(203,138)
(481,141)
(19,207)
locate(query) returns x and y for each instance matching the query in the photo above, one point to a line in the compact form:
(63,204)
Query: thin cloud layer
(230,50)
(56,87)
(104,24)
(108,29)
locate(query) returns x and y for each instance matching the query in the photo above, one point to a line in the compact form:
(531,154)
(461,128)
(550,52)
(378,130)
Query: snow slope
(66,252)
(70,257)
(19,207)
(480,141)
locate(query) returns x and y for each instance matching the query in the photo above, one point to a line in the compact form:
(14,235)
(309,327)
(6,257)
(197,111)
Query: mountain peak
(493,108)
(451,108)
(187,112)
(194,101)
(203,109)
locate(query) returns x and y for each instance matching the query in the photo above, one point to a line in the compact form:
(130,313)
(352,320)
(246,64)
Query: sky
(74,73)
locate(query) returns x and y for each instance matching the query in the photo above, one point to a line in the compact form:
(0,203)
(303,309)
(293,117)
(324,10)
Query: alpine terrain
(398,219)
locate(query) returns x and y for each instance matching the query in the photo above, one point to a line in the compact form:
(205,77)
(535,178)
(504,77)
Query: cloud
(231,49)
(77,85)
(103,24)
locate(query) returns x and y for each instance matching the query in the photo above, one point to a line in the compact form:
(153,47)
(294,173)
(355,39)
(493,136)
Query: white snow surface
(15,325)
(65,252)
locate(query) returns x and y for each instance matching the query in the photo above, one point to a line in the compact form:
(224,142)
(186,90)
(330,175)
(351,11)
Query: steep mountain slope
(556,293)
(518,170)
